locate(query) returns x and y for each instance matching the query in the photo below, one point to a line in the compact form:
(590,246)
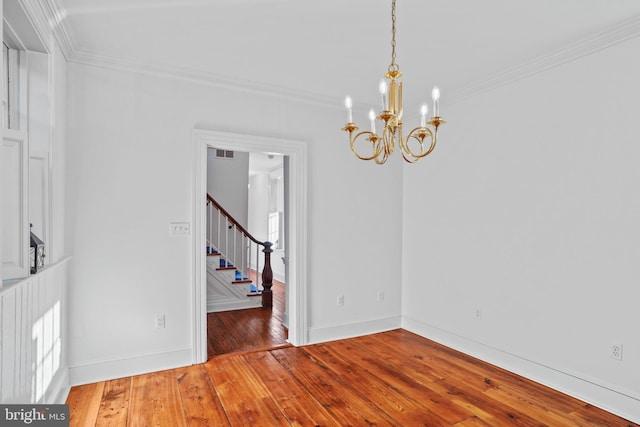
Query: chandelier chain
(393,66)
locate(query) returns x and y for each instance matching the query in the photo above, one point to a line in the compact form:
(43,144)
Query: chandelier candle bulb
(423,118)
(383,91)
(392,96)
(372,117)
(399,101)
(435,94)
(348,104)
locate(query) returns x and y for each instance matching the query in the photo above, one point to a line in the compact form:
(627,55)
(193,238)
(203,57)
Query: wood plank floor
(392,378)
(250,329)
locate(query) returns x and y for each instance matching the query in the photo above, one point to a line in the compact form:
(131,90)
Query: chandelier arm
(374,139)
(381,160)
(419,134)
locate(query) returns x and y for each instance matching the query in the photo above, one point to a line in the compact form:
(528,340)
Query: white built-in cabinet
(24,147)
(14,167)
(15,222)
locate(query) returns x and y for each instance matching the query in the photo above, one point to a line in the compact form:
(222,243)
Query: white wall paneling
(33,324)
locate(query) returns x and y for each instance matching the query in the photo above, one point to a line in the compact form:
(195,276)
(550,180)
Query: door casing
(296,293)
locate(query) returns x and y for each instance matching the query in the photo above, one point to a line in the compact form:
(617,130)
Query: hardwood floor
(391,378)
(242,330)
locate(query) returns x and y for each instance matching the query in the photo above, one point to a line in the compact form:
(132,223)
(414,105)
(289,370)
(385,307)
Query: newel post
(267,277)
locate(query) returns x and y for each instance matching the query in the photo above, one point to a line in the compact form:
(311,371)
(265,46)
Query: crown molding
(55,15)
(38,21)
(203,78)
(613,35)
(47,17)
(58,24)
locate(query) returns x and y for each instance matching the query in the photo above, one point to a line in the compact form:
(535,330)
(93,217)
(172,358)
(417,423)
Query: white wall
(130,175)
(228,182)
(528,211)
(259,205)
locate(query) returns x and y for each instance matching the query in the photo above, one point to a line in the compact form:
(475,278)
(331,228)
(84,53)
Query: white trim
(35,14)
(43,156)
(297,289)
(615,34)
(355,329)
(54,14)
(110,368)
(251,302)
(59,388)
(204,78)
(623,404)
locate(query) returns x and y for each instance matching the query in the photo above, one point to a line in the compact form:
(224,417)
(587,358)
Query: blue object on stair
(253,288)
(225,263)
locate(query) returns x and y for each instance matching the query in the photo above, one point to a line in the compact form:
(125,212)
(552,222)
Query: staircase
(230,257)
(227,287)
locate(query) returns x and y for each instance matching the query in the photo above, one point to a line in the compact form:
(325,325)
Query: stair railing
(236,246)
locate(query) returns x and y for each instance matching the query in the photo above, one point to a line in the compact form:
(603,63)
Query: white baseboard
(279,277)
(108,369)
(59,388)
(586,390)
(250,302)
(350,330)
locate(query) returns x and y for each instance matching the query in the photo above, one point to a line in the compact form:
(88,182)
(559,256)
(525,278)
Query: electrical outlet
(616,351)
(478,313)
(380,296)
(160,321)
(341,301)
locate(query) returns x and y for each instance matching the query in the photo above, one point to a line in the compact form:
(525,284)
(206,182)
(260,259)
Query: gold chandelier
(419,143)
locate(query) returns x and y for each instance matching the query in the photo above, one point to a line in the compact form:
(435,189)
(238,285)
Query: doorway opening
(246,194)
(295,155)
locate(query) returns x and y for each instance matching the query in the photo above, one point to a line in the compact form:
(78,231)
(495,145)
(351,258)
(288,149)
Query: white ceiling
(264,162)
(331,48)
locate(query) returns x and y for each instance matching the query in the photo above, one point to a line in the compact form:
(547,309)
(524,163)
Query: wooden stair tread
(226,268)
(239,282)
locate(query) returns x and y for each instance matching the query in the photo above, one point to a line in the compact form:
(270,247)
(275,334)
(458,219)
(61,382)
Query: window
(276,208)
(275,219)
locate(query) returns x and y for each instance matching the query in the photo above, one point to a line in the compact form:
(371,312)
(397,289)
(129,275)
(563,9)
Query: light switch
(179,229)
